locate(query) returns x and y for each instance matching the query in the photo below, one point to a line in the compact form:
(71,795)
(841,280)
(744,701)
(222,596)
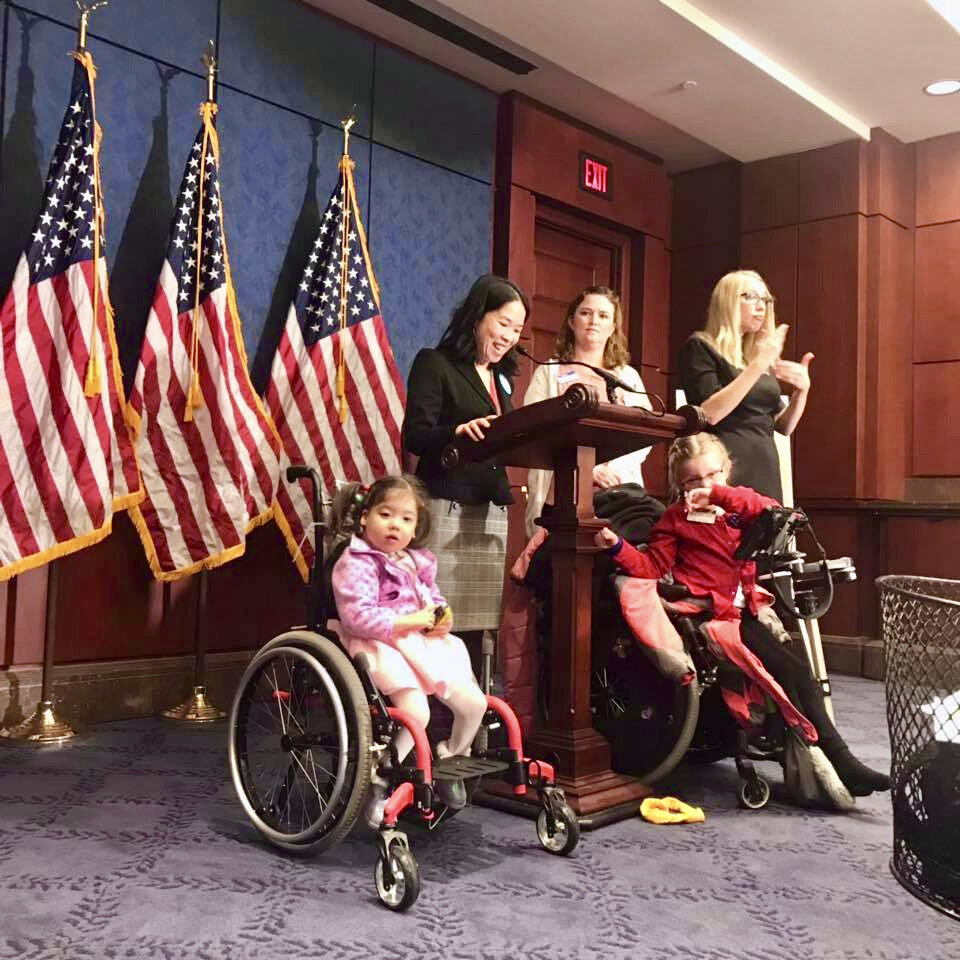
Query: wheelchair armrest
(671,591)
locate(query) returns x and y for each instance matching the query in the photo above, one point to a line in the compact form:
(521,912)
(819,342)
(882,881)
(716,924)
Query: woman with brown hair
(592,333)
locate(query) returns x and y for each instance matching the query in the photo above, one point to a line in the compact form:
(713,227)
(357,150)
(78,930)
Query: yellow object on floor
(670,810)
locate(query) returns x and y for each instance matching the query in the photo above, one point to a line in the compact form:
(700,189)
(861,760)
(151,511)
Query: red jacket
(700,555)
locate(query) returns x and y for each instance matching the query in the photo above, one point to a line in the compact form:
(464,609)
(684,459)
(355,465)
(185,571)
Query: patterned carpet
(131,844)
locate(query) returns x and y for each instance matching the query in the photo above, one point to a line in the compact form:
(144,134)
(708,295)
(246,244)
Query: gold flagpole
(207,112)
(197,708)
(43,726)
(346,168)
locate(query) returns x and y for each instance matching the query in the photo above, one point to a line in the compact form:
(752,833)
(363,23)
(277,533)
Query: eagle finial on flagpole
(209,61)
(347,123)
(86,7)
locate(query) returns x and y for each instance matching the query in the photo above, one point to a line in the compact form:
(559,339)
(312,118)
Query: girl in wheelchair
(391,610)
(696,540)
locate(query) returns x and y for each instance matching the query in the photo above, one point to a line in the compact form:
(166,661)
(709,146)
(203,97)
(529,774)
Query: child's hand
(423,620)
(443,623)
(698,499)
(605,538)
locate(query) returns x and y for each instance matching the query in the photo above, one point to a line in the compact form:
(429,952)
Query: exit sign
(596,176)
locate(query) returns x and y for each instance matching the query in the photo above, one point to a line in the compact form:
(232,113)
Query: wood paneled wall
(936,355)
(538,153)
(858,242)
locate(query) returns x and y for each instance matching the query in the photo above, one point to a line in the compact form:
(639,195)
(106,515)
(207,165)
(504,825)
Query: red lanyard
(492,387)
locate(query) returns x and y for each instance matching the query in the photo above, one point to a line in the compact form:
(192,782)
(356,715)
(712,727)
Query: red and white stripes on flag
(209,454)
(335,392)
(66,455)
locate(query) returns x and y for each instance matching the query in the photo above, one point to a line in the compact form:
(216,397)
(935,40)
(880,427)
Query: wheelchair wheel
(299,745)
(398,884)
(566,833)
(754,794)
(648,718)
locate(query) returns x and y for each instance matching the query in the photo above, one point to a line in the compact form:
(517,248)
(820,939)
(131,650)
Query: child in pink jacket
(391,609)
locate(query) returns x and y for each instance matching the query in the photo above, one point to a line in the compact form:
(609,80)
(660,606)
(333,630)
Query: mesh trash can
(920,625)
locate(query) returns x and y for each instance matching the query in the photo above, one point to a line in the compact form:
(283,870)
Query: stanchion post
(197,708)
(43,726)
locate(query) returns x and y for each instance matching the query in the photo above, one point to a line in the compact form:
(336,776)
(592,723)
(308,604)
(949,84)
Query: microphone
(611,381)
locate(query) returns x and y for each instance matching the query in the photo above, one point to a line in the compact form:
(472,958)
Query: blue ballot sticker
(505,384)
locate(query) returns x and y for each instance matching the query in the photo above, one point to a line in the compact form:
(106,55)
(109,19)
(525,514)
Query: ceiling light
(949,10)
(941,88)
(751,54)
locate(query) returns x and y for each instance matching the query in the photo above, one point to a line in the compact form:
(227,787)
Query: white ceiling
(618,65)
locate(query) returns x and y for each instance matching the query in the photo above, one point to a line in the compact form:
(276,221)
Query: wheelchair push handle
(315,613)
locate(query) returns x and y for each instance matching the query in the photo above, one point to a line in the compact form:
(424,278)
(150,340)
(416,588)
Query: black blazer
(443,392)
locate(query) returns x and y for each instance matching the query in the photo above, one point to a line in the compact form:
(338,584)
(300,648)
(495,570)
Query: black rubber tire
(564,839)
(753,794)
(655,718)
(359,734)
(405,890)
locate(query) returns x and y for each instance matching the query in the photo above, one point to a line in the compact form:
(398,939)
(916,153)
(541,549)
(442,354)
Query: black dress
(747,432)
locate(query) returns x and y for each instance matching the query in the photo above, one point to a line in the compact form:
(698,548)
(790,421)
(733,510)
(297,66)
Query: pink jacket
(371,590)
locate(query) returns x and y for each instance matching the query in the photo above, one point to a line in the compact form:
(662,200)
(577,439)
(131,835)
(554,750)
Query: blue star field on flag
(64,232)
(318,296)
(183,249)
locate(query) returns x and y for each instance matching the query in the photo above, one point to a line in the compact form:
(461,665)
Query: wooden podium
(569,434)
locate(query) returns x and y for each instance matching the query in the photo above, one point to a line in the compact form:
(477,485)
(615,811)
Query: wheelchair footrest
(466,768)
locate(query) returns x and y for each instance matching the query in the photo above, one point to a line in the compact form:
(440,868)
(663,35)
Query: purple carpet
(131,844)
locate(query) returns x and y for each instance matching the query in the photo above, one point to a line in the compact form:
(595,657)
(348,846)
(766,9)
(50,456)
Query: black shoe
(859,779)
(452,793)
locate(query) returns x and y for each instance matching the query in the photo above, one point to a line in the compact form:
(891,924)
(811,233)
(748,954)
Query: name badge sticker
(566,377)
(701,516)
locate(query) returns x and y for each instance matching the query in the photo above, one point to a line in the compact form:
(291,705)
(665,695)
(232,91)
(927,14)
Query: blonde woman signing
(592,332)
(731,369)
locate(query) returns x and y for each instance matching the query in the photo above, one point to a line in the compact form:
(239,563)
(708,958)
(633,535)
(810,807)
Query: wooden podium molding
(570,434)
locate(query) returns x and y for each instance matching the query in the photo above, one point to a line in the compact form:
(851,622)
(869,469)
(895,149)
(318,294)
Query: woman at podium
(456,390)
(592,333)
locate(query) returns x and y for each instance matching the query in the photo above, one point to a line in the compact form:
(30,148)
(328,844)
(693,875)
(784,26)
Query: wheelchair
(308,728)
(652,722)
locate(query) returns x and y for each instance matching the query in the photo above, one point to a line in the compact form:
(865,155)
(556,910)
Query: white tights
(466,702)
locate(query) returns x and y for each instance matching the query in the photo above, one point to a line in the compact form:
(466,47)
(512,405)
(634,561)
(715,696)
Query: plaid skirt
(470,544)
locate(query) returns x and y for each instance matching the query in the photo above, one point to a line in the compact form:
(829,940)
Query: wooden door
(570,253)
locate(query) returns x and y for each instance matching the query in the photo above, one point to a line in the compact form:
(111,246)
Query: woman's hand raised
(796,374)
(769,346)
(474,428)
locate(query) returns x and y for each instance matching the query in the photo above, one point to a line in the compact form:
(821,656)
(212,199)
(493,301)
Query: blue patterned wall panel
(430,228)
(433,115)
(293,55)
(273,196)
(172,30)
(429,234)
(140,113)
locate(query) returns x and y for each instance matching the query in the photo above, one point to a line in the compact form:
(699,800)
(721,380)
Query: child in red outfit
(696,539)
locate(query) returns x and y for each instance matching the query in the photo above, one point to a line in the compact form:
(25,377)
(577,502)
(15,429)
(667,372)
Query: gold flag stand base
(196,709)
(42,727)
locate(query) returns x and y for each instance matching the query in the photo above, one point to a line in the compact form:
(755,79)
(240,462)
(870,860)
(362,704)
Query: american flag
(335,392)
(66,454)
(208,453)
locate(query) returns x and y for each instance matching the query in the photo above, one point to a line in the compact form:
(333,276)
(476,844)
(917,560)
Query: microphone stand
(612,382)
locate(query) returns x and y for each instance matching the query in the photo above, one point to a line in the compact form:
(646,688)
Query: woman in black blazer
(456,390)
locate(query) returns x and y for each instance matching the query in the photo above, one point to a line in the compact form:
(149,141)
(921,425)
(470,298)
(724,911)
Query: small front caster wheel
(398,885)
(754,794)
(565,834)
